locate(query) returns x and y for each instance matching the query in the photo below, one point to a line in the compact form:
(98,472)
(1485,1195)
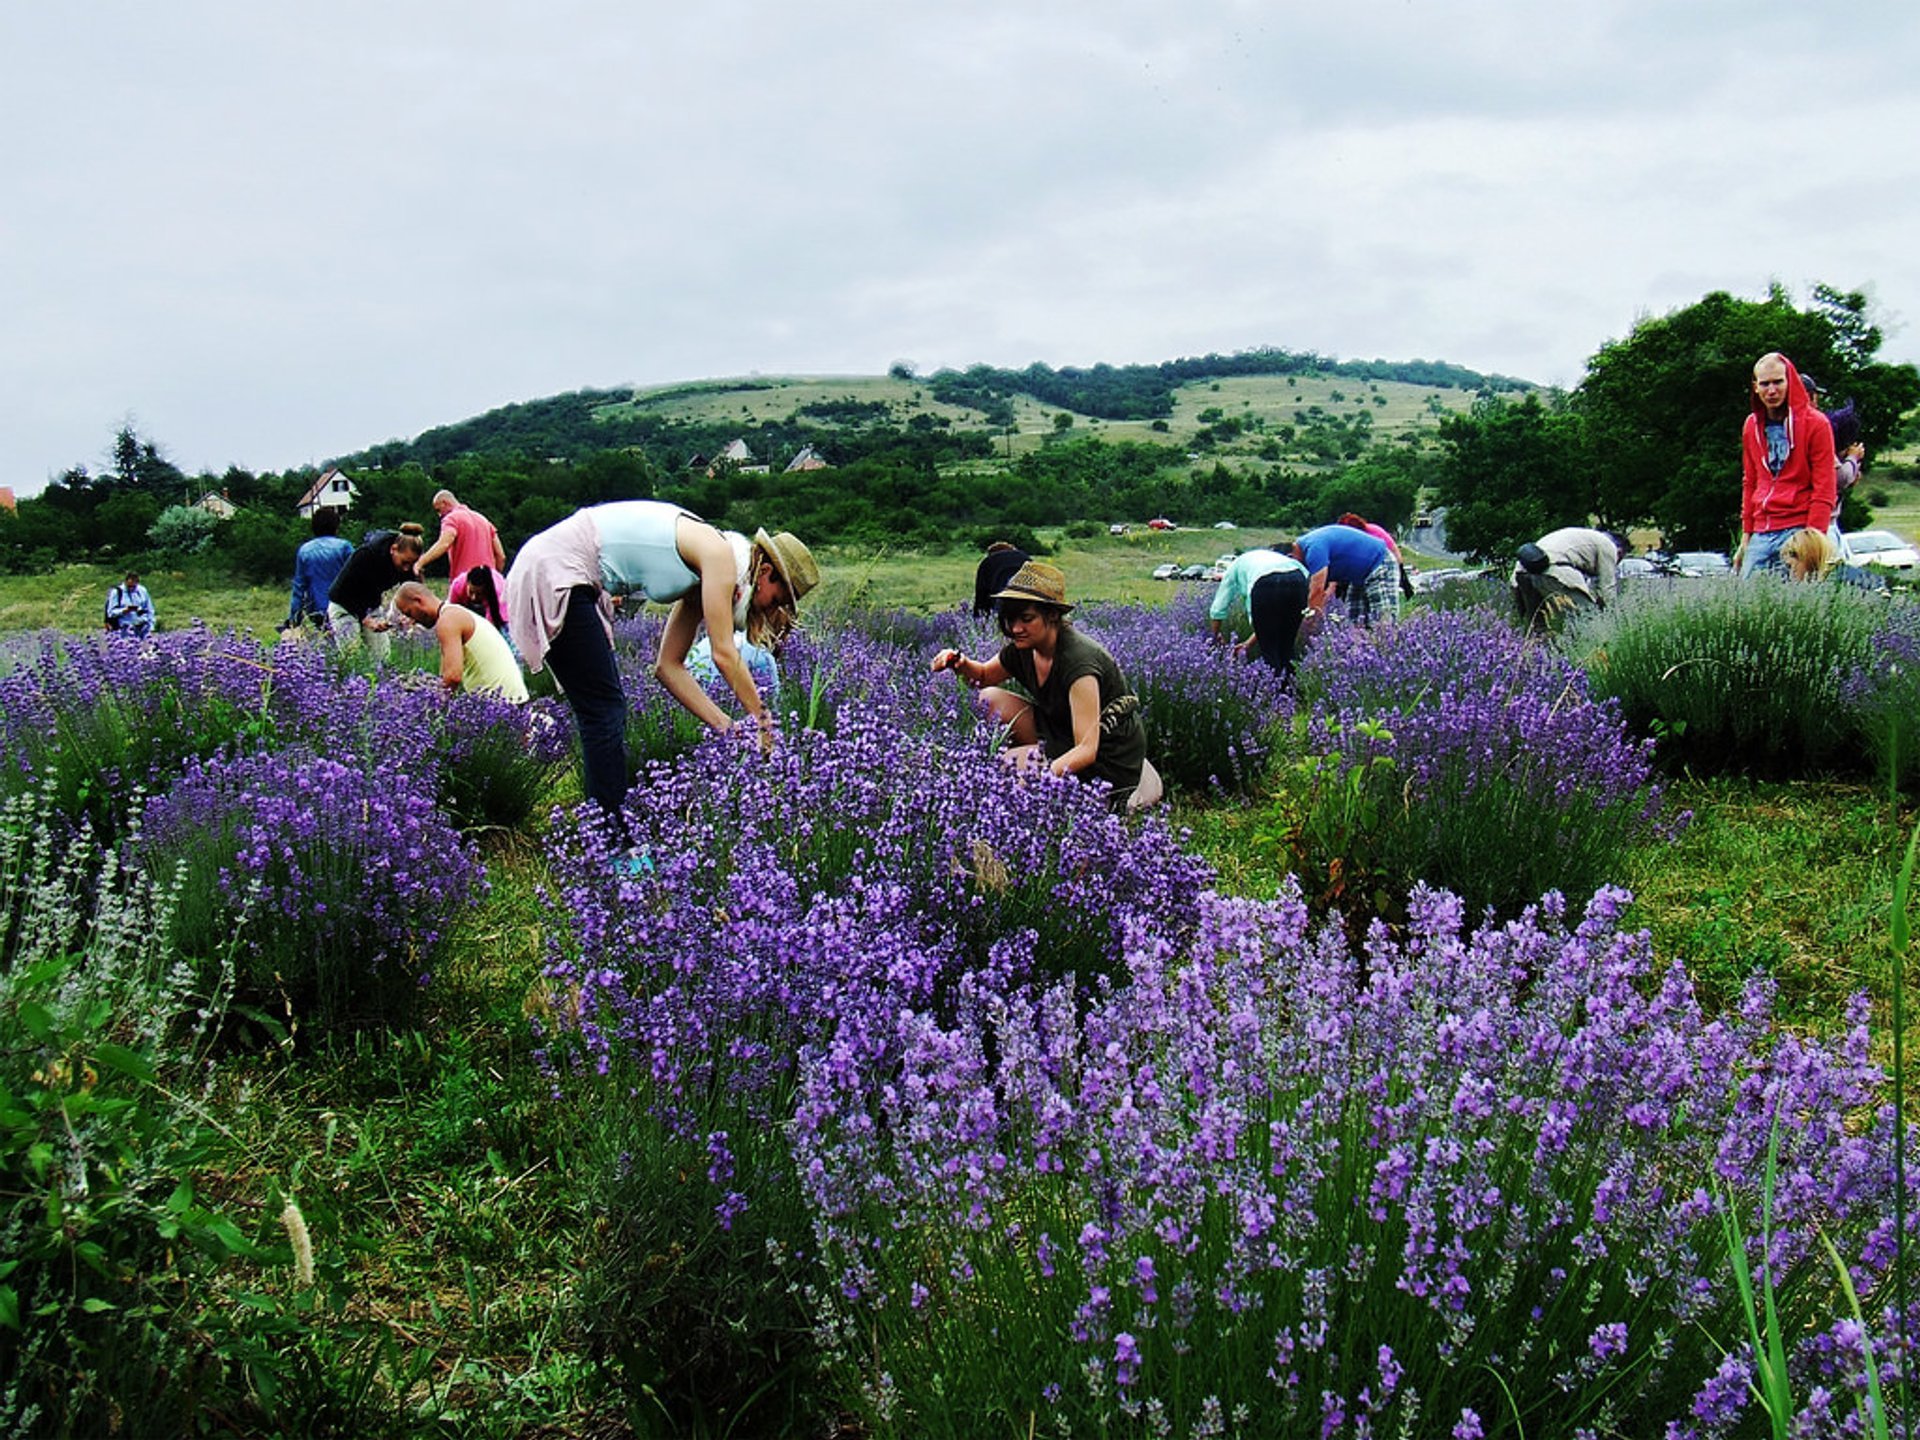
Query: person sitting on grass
(473,655)
(1073,707)
(130,608)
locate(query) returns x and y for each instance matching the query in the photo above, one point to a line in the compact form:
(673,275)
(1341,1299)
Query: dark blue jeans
(582,661)
(1275,604)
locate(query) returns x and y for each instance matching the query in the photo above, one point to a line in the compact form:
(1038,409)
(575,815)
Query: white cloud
(274,237)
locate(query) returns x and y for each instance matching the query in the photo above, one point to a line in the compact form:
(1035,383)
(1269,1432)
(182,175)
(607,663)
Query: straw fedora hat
(1039,582)
(791,559)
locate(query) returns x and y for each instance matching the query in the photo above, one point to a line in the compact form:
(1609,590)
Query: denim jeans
(1763,550)
(582,660)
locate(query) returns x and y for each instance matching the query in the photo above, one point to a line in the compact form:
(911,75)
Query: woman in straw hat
(1077,710)
(559,605)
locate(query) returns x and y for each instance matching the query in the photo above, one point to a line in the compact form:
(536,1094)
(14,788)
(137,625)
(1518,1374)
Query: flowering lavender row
(1493,771)
(332,885)
(110,719)
(1268,1177)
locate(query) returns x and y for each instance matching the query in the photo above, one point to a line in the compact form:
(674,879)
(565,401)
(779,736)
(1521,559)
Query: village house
(332,488)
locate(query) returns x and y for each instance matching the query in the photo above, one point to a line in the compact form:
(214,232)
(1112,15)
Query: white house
(332,488)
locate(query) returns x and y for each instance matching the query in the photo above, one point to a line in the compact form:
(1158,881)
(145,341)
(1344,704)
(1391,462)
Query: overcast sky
(273,234)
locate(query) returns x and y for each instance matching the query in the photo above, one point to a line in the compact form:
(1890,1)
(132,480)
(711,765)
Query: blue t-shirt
(1346,554)
(1779,445)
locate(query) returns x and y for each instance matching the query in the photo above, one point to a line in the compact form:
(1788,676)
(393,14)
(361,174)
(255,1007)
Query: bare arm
(1083,705)
(448,531)
(451,634)
(499,554)
(709,556)
(977,673)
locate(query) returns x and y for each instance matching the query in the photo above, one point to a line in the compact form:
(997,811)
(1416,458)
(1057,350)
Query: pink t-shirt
(473,539)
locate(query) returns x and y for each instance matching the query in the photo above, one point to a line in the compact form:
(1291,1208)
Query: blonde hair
(1808,554)
(766,627)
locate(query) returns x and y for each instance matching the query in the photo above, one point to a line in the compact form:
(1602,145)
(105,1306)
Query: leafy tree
(1665,406)
(1511,471)
(183,530)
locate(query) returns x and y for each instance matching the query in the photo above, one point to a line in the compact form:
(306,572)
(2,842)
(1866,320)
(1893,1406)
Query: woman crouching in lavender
(1072,706)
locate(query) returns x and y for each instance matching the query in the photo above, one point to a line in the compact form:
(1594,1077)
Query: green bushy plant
(1737,675)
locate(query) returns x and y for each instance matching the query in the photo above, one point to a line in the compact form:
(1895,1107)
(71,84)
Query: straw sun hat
(791,559)
(1039,582)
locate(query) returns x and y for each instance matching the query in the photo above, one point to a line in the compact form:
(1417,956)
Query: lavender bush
(332,888)
(1456,1185)
(1883,694)
(1447,748)
(1740,676)
(1211,717)
(846,874)
(100,717)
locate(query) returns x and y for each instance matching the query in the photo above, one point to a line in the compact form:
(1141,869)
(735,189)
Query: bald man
(465,532)
(1786,466)
(474,656)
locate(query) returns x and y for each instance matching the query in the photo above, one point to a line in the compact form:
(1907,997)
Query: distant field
(1397,409)
(1104,568)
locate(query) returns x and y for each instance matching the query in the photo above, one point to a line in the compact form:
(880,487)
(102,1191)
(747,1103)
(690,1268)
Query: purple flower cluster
(1504,1149)
(1885,693)
(320,878)
(1496,774)
(842,875)
(1211,717)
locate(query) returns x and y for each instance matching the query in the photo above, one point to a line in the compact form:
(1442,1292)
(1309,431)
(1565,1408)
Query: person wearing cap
(1078,712)
(559,605)
(474,656)
(1567,570)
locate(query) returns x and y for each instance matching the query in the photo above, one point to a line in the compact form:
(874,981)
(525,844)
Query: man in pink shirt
(466,533)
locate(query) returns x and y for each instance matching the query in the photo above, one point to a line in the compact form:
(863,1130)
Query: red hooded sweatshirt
(1802,494)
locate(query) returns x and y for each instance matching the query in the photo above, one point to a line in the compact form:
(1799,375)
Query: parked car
(1225,560)
(1196,572)
(1428,580)
(1215,574)
(1878,547)
(1160,522)
(1169,571)
(1225,525)
(1637,567)
(1702,564)
(1116,528)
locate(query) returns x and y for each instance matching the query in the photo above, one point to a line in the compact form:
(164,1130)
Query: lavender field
(349,1082)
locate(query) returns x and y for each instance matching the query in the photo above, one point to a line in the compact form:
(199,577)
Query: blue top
(316,565)
(1346,554)
(130,609)
(1237,585)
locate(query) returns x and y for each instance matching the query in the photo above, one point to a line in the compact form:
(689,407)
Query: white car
(1169,571)
(1225,525)
(1878,547)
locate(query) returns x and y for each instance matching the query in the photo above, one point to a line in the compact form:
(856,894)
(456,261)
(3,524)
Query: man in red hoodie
(1786,465)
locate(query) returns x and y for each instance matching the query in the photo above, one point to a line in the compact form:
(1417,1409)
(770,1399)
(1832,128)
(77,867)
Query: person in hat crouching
(560,611)
(1077,710)
(1566,571)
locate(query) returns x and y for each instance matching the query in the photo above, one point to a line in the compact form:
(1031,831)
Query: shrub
(1350,1193)
(131,1301)
(1447,748)
(1884,695)
(1744,676)
(333,887)
(101,719)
